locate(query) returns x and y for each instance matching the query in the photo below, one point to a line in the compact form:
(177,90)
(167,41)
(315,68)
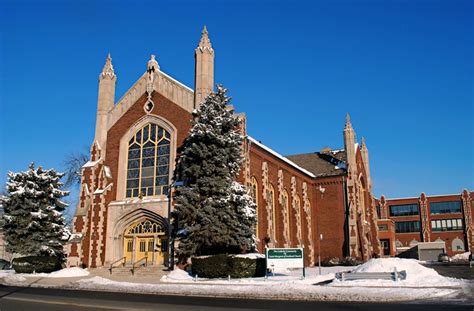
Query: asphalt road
(27,298)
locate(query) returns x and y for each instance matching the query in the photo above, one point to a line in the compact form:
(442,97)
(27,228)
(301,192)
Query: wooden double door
(138,247)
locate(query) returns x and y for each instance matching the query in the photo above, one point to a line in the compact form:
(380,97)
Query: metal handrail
(134,264)
(123,259)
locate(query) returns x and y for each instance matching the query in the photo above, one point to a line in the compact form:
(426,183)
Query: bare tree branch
(73,164)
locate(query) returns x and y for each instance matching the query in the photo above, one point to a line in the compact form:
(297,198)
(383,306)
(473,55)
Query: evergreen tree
(33,213)
(213,209)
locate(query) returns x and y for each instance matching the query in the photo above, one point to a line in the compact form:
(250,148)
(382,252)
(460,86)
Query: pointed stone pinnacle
(363,142)
(152,64)
(348,120)
(205,42)
(108,69)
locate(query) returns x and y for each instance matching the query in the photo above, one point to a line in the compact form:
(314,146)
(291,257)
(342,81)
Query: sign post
(285,258)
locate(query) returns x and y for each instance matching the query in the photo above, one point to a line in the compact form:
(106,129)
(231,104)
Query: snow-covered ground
(421,283)
(464,257)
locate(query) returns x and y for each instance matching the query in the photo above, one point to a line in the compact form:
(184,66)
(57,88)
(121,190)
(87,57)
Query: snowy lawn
(9,277)
(422,283)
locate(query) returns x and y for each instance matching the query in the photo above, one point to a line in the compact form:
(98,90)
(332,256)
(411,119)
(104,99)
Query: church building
(320,201)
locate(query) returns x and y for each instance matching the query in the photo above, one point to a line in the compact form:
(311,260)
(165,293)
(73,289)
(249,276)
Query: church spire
(205,42)
(348,121)
(105,101)
(108,70)
(204,68)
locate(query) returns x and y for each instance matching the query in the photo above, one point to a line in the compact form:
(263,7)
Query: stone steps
(142,271)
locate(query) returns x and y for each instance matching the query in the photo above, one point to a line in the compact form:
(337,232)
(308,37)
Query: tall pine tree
(33,213)
(214,210)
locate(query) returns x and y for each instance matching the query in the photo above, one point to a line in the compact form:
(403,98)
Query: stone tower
(352,190)
(365,156)
(204,69)
(105,101)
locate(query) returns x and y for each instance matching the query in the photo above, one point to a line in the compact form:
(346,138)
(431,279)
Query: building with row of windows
(405,222)
(320,201)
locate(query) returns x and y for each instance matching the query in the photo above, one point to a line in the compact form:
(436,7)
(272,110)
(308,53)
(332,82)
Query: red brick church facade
(321,201)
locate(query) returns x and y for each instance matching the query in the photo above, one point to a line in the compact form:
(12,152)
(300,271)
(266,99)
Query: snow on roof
(107,171)
(90,163)
(279,156)
(100,191)
(176,81)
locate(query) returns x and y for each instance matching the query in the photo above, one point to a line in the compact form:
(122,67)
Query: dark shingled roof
(322,163)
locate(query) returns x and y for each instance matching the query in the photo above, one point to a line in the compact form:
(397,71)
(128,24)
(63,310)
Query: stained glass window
(148,162)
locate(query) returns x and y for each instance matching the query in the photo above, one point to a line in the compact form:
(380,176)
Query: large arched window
(148,162)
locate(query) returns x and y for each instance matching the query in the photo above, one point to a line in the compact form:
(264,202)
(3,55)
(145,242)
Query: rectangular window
(383,227)
(142,246)
(447,224)
(407,226)
(150,246)
(404,210)
(445,207)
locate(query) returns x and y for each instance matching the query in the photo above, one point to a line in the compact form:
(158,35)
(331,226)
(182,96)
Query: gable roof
(322,164)
(279,156)
(164,84)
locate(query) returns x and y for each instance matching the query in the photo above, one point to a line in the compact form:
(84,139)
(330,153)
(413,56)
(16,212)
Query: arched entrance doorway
(148,239)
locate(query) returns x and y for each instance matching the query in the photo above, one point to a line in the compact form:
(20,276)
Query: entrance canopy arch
(139,234)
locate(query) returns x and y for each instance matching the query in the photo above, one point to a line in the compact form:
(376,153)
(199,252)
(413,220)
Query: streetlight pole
(170,237)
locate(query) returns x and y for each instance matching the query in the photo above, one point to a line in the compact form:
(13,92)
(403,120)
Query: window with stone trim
(148,162)
(457,245)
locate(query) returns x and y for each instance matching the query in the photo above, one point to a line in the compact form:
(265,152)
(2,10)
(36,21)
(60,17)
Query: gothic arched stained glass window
(148,162)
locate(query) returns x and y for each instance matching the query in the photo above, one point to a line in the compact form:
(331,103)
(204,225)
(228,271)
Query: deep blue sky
(404,70)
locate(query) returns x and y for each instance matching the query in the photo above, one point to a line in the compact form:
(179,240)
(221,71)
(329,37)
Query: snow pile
(68,273)
(176,275)
(464,257)
(251,256)
(417,275)
(12,279)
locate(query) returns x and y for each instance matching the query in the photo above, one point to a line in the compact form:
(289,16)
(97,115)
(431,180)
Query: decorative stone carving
(297,207)
(309,230)
(425,230)
(466,206)
(284,209)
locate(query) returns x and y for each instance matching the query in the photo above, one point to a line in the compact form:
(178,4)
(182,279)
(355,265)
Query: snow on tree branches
(33,213)
(213,209)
